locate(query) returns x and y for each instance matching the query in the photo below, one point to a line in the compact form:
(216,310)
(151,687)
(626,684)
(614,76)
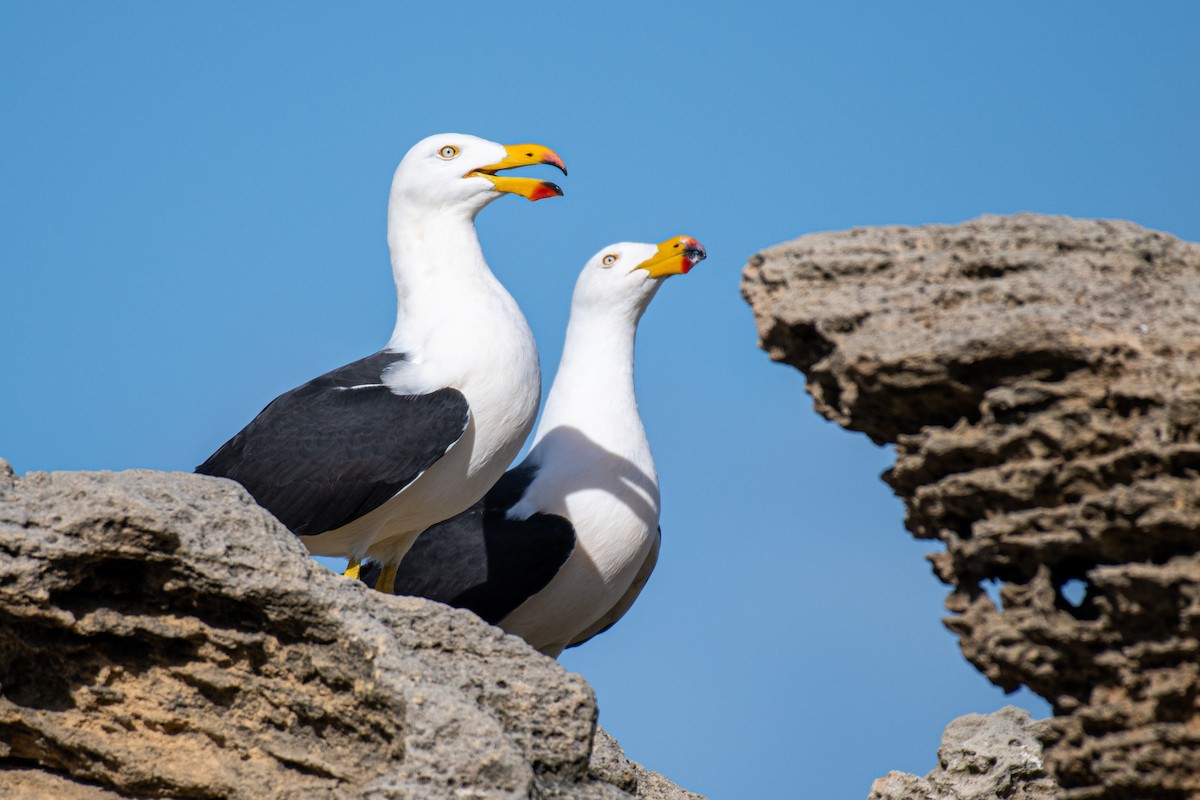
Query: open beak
(522,155)
(674,257)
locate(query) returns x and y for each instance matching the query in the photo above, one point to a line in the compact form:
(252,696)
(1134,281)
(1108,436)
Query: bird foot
(386,582)
(353,568)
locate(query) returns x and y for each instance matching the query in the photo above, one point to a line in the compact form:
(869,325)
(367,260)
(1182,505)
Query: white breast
(494,363)
(613,503)
(458,328)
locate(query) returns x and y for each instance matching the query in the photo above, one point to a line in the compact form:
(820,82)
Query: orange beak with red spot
(522,155)
(674,257)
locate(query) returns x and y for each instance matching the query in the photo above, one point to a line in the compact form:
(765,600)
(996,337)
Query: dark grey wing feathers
(523,556)
(483,561)
(511,487)
(339,446)
(444,561)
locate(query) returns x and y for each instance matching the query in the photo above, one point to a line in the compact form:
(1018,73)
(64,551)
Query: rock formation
(982,757)
(1040,380)
(163,636)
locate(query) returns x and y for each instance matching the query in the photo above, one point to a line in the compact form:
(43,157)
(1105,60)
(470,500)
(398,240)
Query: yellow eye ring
(448,152)
(609,259)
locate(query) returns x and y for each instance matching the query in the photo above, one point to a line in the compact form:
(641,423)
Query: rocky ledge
(982,757)
(163,636)
(1040,380)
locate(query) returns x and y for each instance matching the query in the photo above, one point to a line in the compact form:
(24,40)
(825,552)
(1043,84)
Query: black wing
(482,561)
(338,447)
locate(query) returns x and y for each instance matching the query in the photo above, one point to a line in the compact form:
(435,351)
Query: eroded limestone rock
(1040,379)
(163,636)
(982,757)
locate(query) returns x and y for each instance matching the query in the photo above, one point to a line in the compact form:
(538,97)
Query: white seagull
(559,550)
(362,459)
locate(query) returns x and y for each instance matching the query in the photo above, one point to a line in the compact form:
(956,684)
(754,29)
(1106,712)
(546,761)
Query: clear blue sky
(192,206)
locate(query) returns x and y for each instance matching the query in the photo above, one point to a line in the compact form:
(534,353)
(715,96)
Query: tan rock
(164,636)
(982,757)
(1040,379)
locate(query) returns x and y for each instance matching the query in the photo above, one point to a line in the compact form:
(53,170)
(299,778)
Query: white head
(623,277)
(458,171)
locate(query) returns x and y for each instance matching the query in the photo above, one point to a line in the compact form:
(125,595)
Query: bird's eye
(448,152)
(609,259)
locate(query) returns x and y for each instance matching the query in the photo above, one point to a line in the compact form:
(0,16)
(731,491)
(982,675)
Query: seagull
(362,459)
(561,547)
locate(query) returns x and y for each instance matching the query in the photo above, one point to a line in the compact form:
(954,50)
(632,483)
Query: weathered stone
(609,764)
(1040,379)
(982,757)
(163,636)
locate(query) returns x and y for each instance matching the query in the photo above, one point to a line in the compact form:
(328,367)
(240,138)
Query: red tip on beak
(693,253)
(546,189)
(553,160)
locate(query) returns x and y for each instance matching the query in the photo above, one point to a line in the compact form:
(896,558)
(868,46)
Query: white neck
(436,261)
(595,466)
(460,328)
(593,389)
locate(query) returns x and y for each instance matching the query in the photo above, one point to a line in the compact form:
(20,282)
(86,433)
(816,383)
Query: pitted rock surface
(982,757)
(1040,379)
(163,636)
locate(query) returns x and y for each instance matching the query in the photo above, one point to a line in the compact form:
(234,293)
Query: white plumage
(452,396)
(581,511)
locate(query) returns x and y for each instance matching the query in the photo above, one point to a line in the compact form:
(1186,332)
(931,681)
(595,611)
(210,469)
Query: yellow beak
(522,155)
(674,257)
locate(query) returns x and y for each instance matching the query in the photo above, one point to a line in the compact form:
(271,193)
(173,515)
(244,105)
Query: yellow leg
(352,568)
(386,582)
